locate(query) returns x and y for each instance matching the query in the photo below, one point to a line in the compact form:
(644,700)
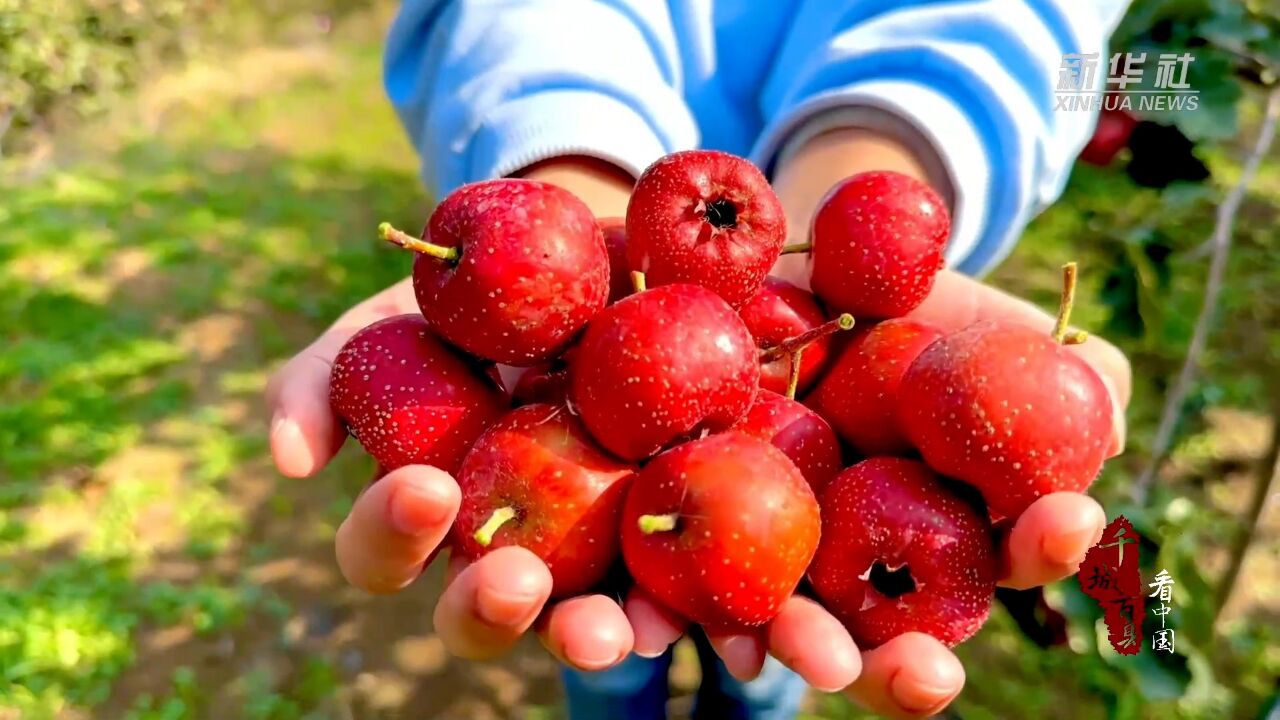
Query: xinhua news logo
(1126,86)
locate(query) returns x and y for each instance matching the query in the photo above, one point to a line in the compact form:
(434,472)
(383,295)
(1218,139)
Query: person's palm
(398,524)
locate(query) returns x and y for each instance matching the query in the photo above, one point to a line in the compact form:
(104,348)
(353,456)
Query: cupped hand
(914,675)
(399,523)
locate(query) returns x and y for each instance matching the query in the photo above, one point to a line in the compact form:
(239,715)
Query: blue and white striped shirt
(486,87)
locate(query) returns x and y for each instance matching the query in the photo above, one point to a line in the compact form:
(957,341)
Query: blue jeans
(636,689)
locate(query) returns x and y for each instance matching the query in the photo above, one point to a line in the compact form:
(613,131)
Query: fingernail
(739,650)
(1117,443)
(283,426)
(649,648)
(507,607)
(916,697)
(1069,548)
(287,444)
(417,508)
(598,659)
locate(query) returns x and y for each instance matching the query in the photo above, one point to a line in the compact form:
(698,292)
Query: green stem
(409,242)
(638,281)
(807,338)
(485,534)
(793,377)
(650,524)
(1061,328)
(797,249)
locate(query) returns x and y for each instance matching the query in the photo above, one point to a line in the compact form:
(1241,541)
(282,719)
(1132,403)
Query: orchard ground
(157,264)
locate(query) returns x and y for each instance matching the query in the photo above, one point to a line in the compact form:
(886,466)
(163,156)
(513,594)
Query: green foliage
(118,262)
(74,57)
(1235,45)
(184,703)
(80,52)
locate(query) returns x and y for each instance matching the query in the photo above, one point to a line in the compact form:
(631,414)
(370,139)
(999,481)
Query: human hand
(399,523)
(914,675)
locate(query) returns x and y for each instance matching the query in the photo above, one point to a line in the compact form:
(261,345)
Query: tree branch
(1220,240)
(1267,472)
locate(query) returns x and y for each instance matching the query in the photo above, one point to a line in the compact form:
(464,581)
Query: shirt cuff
(559,123)
(945,140)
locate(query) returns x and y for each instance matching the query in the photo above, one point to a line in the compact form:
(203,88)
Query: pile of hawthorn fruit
(657,419)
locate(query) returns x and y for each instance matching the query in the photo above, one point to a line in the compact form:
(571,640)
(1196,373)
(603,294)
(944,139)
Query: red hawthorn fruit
(800,433)
(778,312)
(720,529)
(901,553)
(859,394)
(535,480)
(509,270)
(877,244)
(409,398)
(660,366)
(708,218)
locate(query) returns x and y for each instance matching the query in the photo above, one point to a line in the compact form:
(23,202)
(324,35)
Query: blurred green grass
(155,273)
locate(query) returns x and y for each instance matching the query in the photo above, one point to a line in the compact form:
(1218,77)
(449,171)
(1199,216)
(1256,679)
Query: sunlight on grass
(251,210)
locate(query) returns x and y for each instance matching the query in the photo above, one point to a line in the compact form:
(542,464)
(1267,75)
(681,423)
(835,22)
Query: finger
(1049,540)
(395,526)
(491,603)
(911,676)
(655,626)
(810,641)
(742,651)
(589,633)
(958,301)
(304,433)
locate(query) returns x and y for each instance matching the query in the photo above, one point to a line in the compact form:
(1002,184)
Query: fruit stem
(484,535)
(793,377)
(797,249)
(807,338)
(409,242)
(650,524)
(1061,328)
(637,281)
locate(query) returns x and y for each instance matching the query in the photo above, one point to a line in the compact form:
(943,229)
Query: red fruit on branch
(877,244)
(409,398)
(661,366)
(859,394)
(536,480)
(509,270)
(900,552)
(707,218)
(720,529)
(780,311)
(1009,410)
(1110,136)
(800,433)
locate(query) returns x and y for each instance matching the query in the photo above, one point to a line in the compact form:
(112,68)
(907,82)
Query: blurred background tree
(188,194)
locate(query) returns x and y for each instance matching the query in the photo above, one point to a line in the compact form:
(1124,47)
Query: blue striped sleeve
(487,87)
(975,78)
